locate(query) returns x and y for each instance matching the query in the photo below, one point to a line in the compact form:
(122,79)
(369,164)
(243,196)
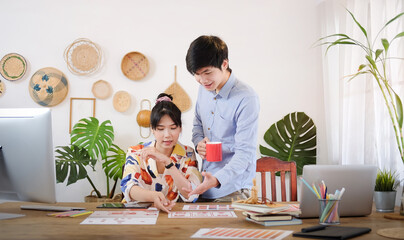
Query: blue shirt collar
(225,91)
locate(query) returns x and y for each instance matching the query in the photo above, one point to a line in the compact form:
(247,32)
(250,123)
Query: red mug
(213,151)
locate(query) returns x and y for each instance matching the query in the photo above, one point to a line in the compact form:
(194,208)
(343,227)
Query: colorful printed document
(142,217)
(202,214)
(195,207)
(240,233)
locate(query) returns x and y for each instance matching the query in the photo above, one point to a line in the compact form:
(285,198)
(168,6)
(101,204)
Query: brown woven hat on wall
(48,87)
(13,66)
(135,66)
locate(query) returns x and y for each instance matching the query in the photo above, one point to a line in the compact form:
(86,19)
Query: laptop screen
(358,181)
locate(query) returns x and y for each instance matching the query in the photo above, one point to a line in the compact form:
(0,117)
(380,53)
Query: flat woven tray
(396,233)
(2,88)
(13,66)
(135,66)
(48,87)
(122,101)
(83,57)
(102,89)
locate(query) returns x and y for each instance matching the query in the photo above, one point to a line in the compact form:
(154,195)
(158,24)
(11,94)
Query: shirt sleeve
(130,175)
(245,141)
(192,174)
(197,130)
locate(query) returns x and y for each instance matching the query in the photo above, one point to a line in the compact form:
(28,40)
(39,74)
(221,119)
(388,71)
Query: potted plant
(375,65)
(90,143)
(385,191)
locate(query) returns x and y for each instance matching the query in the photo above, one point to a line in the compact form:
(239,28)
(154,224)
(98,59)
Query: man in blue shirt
(226,111)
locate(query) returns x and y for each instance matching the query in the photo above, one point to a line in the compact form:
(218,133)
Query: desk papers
(240,233)
(207,207)
(202,214)
(139,217)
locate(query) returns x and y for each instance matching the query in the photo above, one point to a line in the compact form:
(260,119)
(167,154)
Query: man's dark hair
(206,51)
(165,108)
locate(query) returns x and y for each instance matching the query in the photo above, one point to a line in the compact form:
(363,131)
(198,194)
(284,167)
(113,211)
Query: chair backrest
(273,165)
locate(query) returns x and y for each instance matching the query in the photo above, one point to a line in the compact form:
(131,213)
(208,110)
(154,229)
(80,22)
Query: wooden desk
(36,225)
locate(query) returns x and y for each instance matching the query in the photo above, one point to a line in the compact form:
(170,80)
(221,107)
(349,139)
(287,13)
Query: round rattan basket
(13,66)
(122,101)
(135,66)
(48,87)
(102,89)
(83,57)
(2,88)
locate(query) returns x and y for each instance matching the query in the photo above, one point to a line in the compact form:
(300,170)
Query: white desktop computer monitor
(27,165)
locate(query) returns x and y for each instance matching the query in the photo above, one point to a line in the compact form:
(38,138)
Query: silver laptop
(358,181)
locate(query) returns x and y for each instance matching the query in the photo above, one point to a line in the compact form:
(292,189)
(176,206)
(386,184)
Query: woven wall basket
(2,88)
(135,66)
(83,57)
(180,97)
(102,89)
(13,66)
(122,101)
(48,87)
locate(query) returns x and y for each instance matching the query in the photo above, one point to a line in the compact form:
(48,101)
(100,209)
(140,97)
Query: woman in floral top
(162,170)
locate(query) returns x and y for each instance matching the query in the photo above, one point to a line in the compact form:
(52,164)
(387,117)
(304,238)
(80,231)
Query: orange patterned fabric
(140,173)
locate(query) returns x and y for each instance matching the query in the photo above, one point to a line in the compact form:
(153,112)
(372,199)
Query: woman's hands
(151,152)
(161,203)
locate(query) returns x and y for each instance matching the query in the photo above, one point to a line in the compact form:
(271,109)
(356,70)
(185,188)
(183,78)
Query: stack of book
(270,215)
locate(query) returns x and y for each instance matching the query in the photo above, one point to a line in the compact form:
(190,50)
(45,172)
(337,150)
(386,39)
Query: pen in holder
(329,213)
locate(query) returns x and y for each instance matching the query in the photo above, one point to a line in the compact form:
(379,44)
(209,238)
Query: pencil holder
(329,212)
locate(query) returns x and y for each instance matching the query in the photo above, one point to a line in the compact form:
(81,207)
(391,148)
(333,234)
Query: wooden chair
(273,165)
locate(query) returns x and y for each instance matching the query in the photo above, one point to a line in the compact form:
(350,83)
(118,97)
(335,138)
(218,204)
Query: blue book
(294,221)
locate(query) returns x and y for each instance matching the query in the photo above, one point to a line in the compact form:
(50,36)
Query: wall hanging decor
(13,66)
(83,57)
(2,88)
(48,87)
(143,118)
(180,97)
(135,66)
(80,108)
(122,101)
(102,89)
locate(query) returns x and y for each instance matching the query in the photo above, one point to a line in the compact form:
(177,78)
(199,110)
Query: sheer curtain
(358,125)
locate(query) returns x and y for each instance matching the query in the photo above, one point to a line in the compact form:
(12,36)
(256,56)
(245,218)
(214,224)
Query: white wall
(269,44)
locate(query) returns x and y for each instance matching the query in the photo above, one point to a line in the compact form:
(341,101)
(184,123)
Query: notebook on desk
(358,181)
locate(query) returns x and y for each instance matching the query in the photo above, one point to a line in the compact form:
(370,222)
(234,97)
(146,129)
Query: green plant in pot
(375,64)
(91,142)
(293,138)
(385,190)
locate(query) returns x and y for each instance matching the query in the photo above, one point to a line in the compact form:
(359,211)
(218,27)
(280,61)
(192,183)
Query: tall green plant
(375,64)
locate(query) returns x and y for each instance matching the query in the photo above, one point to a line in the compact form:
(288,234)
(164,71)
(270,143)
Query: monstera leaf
(72,161)
(292,138)
(95,138)
(113,163)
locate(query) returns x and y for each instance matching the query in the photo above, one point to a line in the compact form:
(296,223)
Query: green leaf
(357,23)
(399,35)
(399,106)
(113,163)
(378,52)
(385,44)
(393,19)
(362,66)
(95,138)
(293,138)
(371,61)
(70,163)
